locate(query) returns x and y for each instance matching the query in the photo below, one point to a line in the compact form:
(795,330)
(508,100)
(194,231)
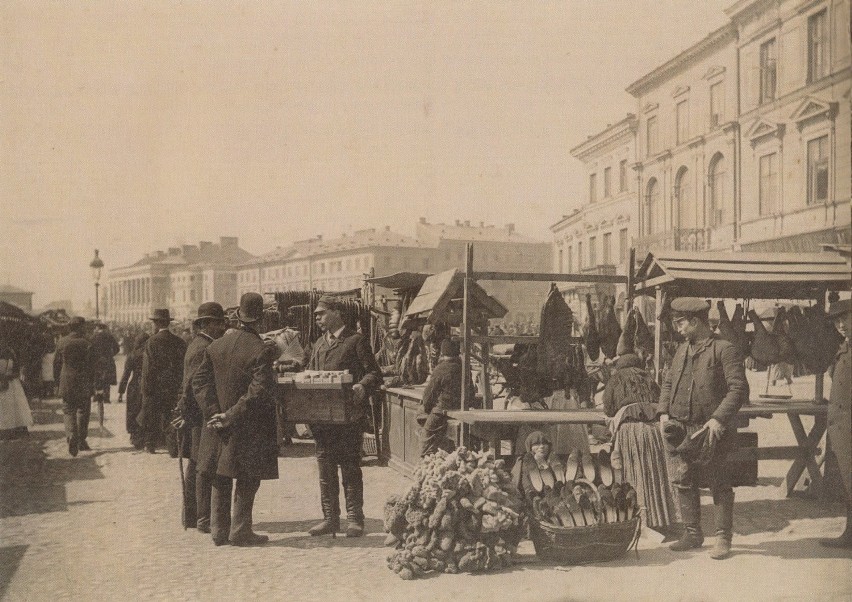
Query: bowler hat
(161,314)
(689,306)
(210,310)
(327,302)
(449,348)
(838,308)
(251,307)
(76,322)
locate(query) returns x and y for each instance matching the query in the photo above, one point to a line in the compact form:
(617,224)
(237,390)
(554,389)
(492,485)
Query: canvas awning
(440,297)
(743,275)
(400,280)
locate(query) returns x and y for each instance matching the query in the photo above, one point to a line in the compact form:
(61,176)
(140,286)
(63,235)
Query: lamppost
(97,265)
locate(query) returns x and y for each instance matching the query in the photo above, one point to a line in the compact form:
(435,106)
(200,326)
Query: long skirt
(14,407)
(643,459)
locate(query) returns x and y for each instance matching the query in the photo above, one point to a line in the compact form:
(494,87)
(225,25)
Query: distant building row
(740,142)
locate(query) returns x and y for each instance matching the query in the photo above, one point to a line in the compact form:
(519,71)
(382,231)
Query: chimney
(510,228)
(228,241)
(187,249)
(174,250)
(423,220)
(481,224)
(205,245)
(387,228)
(319,236)
(458,223)
(467,223)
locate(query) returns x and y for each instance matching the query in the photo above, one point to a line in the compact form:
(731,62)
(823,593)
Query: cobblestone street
(105,526)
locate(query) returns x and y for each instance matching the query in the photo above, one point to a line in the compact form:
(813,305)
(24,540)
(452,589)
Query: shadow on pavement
(296,450)
(10,559)
(371,525)
(326,541)
(799,549)
(759,516)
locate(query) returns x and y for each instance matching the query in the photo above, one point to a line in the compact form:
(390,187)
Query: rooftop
(465,231)
(226,252)
(9,289)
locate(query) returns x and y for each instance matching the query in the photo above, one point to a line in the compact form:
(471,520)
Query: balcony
(671,240)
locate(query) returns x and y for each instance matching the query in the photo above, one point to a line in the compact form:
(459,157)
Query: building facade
(16,296)
(596,238)
(180,279)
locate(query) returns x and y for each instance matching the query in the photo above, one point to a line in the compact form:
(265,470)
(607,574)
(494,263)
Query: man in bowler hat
(234,387)
(209,326)
(342,348)
(704,390)
(162,374)
(840,414)
(73,363)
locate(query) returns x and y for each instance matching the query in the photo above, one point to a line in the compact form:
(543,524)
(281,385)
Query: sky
(134,126)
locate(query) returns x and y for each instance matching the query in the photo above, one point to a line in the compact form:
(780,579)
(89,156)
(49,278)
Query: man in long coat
(342,348)
(104,350)
(840,414)
(234,387)
(162,375)
(73,365)
(209,326)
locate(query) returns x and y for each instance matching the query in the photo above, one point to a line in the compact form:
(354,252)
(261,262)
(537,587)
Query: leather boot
(329,498)
(724,519)
(690,508)
(353,489)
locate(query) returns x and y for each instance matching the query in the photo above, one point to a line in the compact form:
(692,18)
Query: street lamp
(97,265)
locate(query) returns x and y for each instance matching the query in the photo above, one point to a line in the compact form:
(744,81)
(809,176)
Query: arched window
(686,210)
(653,209)
(716,178)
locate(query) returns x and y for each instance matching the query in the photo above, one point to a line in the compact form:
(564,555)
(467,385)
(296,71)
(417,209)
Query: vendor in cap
(209,325)
(703,390)
(162,374)
(342,348)
(840,414)
(442,393)
(234,387)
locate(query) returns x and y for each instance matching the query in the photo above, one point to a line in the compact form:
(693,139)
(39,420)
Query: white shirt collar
(336,334)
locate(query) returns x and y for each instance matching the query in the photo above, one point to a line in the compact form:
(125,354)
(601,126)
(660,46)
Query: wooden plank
(740,257)
(546,277)
(512,338)
(780,268)
(529,416)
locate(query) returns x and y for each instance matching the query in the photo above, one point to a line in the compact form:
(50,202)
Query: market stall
(747,277)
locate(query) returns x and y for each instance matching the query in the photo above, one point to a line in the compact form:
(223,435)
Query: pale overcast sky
(132,126)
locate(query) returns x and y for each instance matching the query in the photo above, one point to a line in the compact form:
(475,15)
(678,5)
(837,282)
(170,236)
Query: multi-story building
(686,146)
(16,296)
(181,279)
(794,89)
(596,237)
(495,249)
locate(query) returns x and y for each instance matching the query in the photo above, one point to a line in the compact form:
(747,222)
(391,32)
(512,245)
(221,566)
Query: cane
(182,480)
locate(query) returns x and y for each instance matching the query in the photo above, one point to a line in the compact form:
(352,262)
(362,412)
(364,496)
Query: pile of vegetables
(463,515)
(579,504)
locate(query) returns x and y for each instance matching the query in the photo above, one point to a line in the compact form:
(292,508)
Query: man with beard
(209,326)
(234,388)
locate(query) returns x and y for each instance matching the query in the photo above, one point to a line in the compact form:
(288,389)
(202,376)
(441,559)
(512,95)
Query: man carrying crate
(342,348)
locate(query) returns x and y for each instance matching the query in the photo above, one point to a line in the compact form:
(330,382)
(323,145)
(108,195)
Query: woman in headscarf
(638,450)
(537,468)
(131,382)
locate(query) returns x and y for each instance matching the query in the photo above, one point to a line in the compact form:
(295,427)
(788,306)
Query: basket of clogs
(577,523)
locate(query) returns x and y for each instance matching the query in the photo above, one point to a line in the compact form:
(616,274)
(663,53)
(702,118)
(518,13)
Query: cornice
(625,128)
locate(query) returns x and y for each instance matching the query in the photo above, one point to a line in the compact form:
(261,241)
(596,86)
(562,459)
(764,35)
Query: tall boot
(723,517)
(353,489)
(329,498)
(690,509)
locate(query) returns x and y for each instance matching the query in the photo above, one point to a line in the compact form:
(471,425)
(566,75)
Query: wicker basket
(582,545)
(369,446)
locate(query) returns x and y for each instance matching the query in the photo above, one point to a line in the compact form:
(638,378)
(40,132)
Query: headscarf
(629,360)
(536,438)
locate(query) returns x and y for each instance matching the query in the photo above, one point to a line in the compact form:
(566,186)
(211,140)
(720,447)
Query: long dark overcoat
(236,378)
(131,383)
(188,406)
(104,350)
(73,364)
(840,414)
(162,373)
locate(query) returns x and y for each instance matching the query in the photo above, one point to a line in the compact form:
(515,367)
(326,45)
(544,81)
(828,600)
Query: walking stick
(100,398)
(182,480)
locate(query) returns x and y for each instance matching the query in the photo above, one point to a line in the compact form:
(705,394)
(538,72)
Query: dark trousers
(196,497)
(340,445)
(76,410)
(434,433)
(232,521)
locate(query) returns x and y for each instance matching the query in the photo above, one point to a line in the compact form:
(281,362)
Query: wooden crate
(316,403)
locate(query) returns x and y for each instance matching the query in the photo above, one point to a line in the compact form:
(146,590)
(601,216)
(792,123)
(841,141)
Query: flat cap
(689,305)
(327,302)
(838,308)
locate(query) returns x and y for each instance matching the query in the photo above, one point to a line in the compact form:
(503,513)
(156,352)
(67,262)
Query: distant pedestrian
(208,326)
(15,415)
(131,383)
(73,362)
(341,348)
(233,386)
(104,350)
(162,374)
(840,415)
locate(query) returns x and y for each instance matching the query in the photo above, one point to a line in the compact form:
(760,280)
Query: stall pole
(658,332)
(487,400)
(468,270)
(631,273)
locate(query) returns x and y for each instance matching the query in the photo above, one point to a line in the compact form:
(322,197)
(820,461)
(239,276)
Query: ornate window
(717,179)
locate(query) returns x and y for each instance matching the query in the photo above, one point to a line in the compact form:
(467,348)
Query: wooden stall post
(658,333)
(468,270)
(487,400)
(631,272)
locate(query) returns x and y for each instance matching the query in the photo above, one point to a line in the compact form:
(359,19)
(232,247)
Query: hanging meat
(733,330)
(815,340)
(627,339)
(764,349)
(643,338)
(554,339)
(609,328)
(590,332)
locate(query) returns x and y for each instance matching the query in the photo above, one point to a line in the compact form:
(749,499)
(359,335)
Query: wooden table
(490,425)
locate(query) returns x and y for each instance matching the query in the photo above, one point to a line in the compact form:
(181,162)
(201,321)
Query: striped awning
(743,275)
